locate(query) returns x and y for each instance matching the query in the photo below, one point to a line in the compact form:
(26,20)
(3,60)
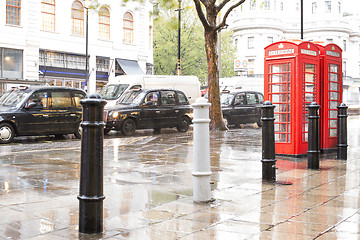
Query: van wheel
(78,132)
(128,127)
(7,133)
(183,125)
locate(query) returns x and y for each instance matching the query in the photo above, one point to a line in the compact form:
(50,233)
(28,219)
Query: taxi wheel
(7,133)
(128,127)
(78,132)
(183,124)
(106,131)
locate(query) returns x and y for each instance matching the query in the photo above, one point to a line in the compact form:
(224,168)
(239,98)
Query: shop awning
(130,67)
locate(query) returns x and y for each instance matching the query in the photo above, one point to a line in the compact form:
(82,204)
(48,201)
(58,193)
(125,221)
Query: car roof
(155,89)
(35,88)
(235,91)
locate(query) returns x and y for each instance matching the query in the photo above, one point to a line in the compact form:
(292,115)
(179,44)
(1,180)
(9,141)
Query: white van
(112,91)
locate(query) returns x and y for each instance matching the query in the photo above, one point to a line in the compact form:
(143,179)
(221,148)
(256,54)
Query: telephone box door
(279,92)
(331,94)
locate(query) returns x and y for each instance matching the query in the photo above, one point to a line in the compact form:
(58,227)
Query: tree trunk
(213,81)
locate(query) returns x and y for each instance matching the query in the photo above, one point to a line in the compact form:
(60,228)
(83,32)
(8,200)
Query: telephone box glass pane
(309,91)
(334,77)
(333,104)
(333,68)
(333,95)
(333,123)
(333,86)
(333,132)
(279,94)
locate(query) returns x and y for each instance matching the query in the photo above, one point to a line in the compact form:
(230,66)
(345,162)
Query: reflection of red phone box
(295,76)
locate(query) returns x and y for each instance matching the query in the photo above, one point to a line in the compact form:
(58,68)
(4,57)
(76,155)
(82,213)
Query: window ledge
(12,25)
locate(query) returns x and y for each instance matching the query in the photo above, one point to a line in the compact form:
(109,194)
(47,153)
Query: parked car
(150,109)
(40,111)
(241,106)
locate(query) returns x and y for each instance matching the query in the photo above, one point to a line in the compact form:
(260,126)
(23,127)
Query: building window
(344,45)
(11,63)
(13,10)
(252,4)
(339,5)
(251,70)
(281,6)
(314,8)
(61,60)
(270,40)
(330,40)
(327,6)
(48,15)
(104,23)
(250,42)
(267,4)
(77,16)
(102,64)
(128,28)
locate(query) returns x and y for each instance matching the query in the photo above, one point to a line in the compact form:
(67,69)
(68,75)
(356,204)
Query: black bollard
(91,168)
(268,143)
(342,132)
(313,137)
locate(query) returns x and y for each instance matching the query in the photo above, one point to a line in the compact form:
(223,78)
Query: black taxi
(150,109)
(240,106)
(45,110)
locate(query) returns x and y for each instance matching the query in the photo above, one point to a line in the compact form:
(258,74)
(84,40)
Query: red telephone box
(291,83)
(331,93)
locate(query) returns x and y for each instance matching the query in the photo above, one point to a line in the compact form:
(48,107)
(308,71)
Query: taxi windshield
(131,97)
(226,98)
(113,91)
(12,98)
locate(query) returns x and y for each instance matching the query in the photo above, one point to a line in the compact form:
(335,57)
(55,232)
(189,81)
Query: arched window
(104,23)
(77,16)
(128,28)
(48,15)
(13,10)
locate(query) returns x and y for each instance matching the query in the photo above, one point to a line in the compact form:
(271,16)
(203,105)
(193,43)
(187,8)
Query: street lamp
(87,5)
(179,41)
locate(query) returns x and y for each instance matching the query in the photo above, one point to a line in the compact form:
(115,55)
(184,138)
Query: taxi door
(150,111)
(35,115)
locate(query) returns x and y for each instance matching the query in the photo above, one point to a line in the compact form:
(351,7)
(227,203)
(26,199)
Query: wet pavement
(148,190)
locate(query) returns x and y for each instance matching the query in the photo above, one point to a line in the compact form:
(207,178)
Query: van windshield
(113,91)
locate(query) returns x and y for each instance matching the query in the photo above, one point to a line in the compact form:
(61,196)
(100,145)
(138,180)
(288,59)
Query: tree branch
(222,24)
(201,15)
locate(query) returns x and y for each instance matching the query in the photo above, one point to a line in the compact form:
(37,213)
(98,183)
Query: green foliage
(227,55)
(193,56)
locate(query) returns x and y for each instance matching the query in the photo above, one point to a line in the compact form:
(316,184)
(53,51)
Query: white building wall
(30,38)
(284,24)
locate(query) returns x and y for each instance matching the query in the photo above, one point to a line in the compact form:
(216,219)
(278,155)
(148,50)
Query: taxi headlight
(114,114)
